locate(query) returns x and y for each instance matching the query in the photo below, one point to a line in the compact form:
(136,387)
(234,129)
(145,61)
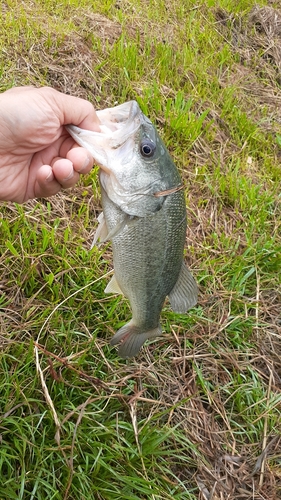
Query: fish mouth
(117,126)
(117,117)
(126,119)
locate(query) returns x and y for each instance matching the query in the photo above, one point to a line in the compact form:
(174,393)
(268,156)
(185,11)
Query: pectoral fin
(113,286)
(185,292)
(101,232)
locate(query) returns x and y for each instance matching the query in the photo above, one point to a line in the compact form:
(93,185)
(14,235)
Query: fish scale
(150,253)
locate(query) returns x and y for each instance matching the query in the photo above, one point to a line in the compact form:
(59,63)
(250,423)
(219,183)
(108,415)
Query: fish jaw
(131,338)
(131,180)
(117,126)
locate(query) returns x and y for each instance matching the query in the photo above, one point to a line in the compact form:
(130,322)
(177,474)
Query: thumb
(74,110)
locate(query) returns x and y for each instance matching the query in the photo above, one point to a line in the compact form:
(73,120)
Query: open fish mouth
(118,125)
(129,153)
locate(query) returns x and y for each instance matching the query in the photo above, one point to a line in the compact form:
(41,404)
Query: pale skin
(38,157)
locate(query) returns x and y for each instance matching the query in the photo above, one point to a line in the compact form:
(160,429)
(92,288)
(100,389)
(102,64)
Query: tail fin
(132,338)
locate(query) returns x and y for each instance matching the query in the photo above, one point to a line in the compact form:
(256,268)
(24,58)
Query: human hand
(37,155)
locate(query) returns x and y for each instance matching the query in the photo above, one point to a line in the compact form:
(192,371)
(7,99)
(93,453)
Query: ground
(197,413)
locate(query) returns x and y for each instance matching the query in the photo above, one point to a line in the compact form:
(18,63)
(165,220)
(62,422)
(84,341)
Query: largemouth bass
(144,215)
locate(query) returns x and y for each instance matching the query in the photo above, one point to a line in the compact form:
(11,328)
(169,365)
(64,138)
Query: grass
(197,414)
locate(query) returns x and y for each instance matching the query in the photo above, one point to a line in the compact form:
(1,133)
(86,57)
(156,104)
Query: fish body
(144,215)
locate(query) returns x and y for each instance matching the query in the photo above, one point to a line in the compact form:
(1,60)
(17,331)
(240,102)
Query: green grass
(197,413)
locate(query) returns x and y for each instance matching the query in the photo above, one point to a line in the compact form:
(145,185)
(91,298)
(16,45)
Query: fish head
(135,166)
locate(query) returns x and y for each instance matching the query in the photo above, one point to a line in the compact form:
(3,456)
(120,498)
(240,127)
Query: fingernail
(50,177)
(85,164)
(71,174)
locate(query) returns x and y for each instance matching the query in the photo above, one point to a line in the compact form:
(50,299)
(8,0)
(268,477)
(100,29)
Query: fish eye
(147,148)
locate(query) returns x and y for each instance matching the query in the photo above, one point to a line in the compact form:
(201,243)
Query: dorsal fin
(185,292)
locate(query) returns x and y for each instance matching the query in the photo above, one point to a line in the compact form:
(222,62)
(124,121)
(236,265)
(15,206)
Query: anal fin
(113,286)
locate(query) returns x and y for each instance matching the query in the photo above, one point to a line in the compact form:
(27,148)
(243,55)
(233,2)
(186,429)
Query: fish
(144,217)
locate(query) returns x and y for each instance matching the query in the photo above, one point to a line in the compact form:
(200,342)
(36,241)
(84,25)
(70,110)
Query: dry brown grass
(256,39)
